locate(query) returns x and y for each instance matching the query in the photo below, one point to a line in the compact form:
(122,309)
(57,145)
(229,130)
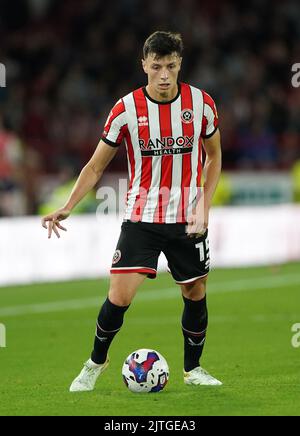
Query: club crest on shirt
(187,116)
(116,257)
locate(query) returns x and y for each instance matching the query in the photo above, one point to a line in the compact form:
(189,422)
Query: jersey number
(202,246)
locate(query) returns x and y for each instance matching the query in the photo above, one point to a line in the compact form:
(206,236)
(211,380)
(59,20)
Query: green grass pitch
(50,330)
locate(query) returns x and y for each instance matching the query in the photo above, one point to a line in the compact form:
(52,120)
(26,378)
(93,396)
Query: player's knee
(123,287)
(195,290)
(119,298)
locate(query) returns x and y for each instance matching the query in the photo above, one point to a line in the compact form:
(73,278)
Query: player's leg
(135,258)
(194,321)
(188,260)
(194,328)
(122,290)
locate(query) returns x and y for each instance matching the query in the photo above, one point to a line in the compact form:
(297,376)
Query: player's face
(162,75)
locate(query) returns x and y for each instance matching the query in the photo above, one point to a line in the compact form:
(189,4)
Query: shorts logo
(187,116)
(116,257)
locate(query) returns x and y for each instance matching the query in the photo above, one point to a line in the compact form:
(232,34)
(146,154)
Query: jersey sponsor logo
(143,121)
(116,257)
(187,116)
(165,152)
(166,145)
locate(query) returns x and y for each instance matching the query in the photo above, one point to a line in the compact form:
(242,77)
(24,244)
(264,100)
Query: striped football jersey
(164,150)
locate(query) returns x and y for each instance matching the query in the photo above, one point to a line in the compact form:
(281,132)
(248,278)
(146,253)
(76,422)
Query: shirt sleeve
(210,120)
(115,126)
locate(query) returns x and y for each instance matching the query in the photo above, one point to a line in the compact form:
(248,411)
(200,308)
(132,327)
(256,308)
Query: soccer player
(164,126)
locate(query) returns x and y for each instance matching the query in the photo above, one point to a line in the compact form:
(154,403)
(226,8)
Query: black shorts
(140,245)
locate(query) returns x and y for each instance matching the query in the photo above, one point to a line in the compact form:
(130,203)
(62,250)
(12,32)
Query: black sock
(109,322)
(194,325)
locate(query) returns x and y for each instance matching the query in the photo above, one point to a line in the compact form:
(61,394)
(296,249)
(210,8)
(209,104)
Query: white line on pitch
(215,319)
(239,285)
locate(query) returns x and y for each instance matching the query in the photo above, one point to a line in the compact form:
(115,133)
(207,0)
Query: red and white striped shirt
(164,150)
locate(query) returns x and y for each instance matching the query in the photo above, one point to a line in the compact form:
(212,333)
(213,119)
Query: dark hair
(163,44)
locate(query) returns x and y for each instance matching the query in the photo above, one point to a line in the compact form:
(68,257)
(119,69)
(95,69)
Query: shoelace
(89,369)
(204,372)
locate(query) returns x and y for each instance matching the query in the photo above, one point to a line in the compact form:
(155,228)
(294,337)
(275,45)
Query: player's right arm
(89,176)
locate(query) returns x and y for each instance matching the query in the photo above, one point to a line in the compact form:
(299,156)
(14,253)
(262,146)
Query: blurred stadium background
(67,62)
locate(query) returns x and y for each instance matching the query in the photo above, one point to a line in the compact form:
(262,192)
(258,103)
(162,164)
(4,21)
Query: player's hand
(197,224)
(52,222)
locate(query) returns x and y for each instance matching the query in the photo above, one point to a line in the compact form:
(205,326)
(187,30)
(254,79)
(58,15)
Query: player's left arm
(198,221)
(212,167)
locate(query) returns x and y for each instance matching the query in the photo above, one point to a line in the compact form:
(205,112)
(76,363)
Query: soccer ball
(145,371)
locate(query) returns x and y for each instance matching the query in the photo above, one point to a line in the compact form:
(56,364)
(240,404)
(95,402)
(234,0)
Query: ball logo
(140,370)
(116,257)
(187,116)
(145,370)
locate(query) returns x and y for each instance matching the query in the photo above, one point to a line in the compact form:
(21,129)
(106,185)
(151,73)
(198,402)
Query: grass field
(50,331)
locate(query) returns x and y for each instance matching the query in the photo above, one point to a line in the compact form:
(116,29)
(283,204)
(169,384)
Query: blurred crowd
(67,62)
